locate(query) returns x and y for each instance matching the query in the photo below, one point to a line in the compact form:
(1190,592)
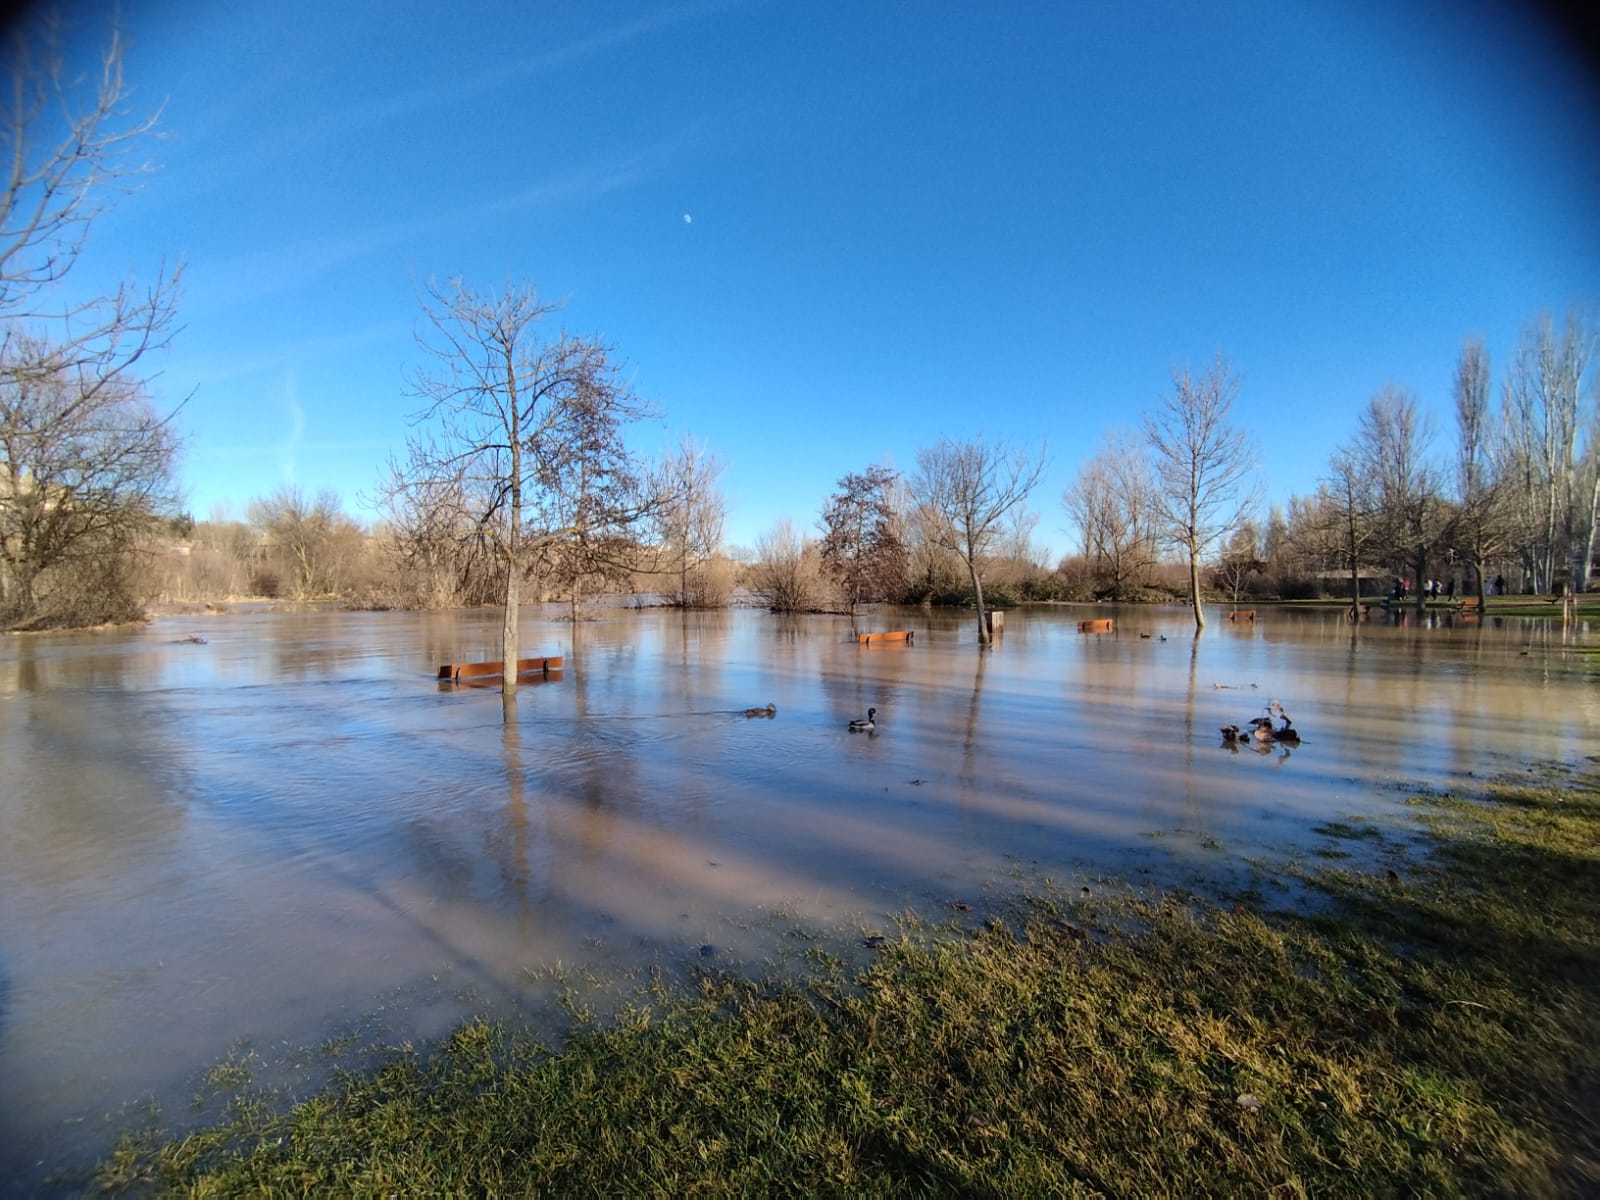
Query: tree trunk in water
(508,632)
(977,591)
(1483,587)
(1421,566)
(1194,589)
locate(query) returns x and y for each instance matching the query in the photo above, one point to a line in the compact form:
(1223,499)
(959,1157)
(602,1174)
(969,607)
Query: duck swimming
(770,710)
(1286,734)
(866,726)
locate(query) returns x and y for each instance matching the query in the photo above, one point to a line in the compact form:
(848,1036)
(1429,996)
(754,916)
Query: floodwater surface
(259,837)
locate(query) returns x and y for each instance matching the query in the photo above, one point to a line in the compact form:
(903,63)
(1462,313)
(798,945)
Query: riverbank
(1585,607)
(1431,1024)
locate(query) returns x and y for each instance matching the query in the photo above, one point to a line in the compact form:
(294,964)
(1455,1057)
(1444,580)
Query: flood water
(262,836)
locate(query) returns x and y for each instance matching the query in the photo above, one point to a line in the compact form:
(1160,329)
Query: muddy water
(266,834)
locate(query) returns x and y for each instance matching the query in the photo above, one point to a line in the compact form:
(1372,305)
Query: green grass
(1433,1030)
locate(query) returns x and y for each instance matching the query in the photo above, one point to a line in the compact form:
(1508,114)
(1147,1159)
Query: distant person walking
(1499,585)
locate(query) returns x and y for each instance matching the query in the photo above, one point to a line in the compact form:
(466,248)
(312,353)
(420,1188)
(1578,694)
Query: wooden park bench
(894,635)
(1099,625)
(1469,606)
(1248,615)
(462,672)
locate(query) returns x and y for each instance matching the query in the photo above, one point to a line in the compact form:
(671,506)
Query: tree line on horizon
(519,481)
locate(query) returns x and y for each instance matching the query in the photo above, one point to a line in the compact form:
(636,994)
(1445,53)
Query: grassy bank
(1432,1029)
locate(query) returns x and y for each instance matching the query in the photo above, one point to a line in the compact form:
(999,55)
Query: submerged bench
(894,635)
(1099,625)
(487,670)
(1249,615)
(1469,606)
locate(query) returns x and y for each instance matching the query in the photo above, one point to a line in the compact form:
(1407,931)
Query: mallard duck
(1286,734)
(770,710)
(866,726)
(1231,735)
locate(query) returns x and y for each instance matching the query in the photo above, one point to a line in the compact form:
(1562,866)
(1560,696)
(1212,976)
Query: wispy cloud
(227,282)
(238,452)
(297,353)
(588,182)
(292,445)
(297,427)
(223,170)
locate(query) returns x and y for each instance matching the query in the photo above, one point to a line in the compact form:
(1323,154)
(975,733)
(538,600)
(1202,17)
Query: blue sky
(823,235)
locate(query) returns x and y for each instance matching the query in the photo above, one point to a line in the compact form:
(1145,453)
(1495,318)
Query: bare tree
(523,441)
(1013,560)
(862,550)
(1017,543)
(1112,504)
(1540,414)
(1351,515)
(1240,558)
(964,491)
(1481,527)
(314,538)
(1278,547)
(690,519)
(1392,447)
(87,457)
(1592,489)
(65,149)
(85,470)
(595,488)
(439,556)
(1203,462)
(787,572)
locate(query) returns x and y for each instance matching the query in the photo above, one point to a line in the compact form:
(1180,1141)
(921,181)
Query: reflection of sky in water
(259,834)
